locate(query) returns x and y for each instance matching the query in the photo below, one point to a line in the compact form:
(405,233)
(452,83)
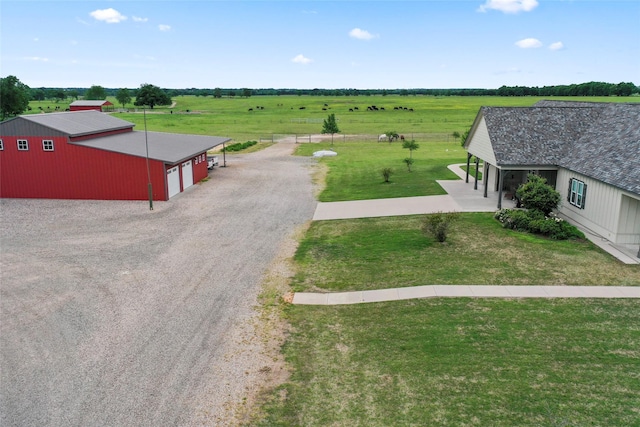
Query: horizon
(329,45)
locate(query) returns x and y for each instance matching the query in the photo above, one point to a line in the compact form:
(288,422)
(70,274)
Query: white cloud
(556,46)
(359,34)
(509,6)
(138,19)
(529,43)
(36,59)
(301,59)
(110,16)
(163,27)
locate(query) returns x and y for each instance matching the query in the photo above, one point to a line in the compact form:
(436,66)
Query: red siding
(200,170)
(75,172)
(85,107)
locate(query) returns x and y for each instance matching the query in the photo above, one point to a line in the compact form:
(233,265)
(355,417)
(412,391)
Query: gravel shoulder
(115,315)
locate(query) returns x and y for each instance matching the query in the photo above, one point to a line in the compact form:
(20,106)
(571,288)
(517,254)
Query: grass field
(462,362)
(355,174)
(378,253)
(282,115)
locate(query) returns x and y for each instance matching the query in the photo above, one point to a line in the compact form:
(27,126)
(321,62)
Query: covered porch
(503,181)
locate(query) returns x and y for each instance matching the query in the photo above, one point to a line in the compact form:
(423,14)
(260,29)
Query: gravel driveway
(115,315)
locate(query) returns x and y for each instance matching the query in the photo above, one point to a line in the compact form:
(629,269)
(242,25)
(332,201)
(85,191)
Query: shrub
(537,194)
(409,161)
(534,221)
(386,173)
(437,225)
(239,146)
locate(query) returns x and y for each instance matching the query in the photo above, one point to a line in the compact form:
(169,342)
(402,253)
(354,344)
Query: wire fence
(314,138)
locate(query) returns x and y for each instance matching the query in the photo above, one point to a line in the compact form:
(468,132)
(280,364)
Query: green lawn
(462,362)
(355,173)
(378,253)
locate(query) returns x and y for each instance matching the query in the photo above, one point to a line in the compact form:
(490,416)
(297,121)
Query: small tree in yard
(409,162)
(330,126)
(437,225)
(386,174)
(537,194)
(411,146)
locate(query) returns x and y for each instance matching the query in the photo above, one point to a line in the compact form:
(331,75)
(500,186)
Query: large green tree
(95,93)
(151,95)
(14,96)
(330,126)
(123,97)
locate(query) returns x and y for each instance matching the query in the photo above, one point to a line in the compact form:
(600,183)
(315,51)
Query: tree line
(16,95)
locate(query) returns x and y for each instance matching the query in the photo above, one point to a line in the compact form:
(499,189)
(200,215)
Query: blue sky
(319,44)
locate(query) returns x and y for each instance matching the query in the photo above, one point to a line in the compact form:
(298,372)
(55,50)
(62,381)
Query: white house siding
(480,144)
(629,223)
(602,212)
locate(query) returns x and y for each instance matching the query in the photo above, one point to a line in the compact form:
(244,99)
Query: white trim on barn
(187,175)
(173,181)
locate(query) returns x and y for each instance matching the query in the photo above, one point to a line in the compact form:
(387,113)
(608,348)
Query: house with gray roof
(590,152)
(93,155)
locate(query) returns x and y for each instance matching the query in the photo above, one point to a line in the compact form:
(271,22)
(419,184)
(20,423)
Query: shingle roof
(166,147)
(599,140)
(79,123)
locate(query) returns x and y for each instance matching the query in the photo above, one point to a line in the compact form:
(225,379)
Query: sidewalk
(437,291)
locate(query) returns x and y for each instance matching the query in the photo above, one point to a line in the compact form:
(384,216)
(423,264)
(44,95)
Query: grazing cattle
(401,137)
(250,109)
(302,108)
(382,137)
(324,109)
(326,105)
(351,109)
(355,108)
(410,109)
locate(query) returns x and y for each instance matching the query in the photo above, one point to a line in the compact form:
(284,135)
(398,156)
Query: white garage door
(173,181)
(187,175)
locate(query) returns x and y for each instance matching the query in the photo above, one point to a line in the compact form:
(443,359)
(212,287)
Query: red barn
(91,105)
(93,155)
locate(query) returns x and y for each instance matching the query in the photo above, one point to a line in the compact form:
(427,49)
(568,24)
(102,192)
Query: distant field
(282,114)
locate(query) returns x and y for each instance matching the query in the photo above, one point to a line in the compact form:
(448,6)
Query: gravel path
(113,315)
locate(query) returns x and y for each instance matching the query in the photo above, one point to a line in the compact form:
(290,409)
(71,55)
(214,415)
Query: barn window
(577,193)
(47,145)
(23,145)
(1,145)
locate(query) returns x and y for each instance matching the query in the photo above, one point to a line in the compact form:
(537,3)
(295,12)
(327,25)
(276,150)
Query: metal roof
(79,123)
(166,147)
(90,103)
(599,140)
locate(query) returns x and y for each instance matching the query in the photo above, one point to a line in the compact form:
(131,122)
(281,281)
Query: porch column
(468,159)
(475,184)
(500,183)
(485,176)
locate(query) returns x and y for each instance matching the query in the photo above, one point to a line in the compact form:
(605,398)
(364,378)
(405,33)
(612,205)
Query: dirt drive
(114,315)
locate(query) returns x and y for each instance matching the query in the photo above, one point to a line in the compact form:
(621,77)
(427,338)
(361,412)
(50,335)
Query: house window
(577,193)
(23,145)
(47,145)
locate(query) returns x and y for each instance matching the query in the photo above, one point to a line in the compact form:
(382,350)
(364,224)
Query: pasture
(432,118)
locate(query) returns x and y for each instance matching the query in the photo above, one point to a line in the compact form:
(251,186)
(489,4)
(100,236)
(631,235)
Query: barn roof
(599,140)
(90,103)
(166,147)
(79,123)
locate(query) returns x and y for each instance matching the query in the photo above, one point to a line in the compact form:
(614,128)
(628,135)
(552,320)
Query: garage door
(173,181)
(187,175)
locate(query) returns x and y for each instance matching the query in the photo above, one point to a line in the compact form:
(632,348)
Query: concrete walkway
(460,197)
(438,291)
